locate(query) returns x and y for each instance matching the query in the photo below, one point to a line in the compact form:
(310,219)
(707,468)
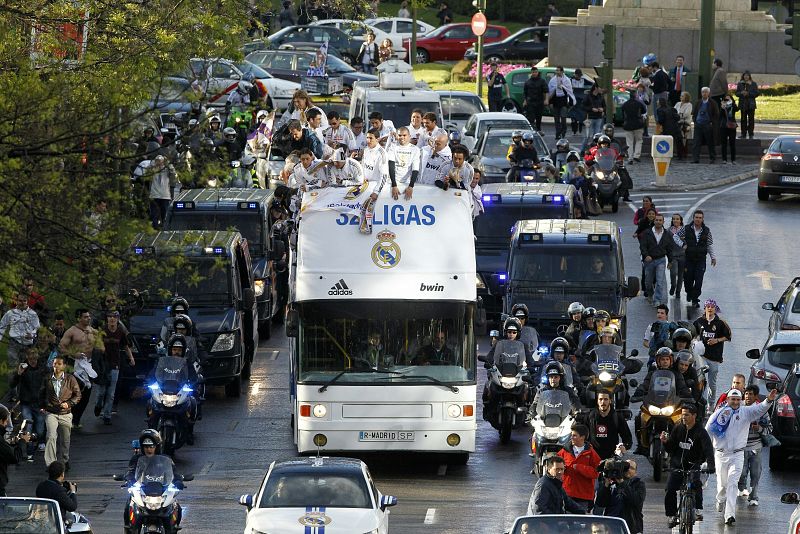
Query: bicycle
(686,505)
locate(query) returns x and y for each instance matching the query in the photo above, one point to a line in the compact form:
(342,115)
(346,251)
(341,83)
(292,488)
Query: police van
(383,351)
(504,204)
(243,210)
(395,95)
(213,272)
(553,262)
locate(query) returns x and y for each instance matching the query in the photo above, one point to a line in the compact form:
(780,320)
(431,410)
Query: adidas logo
(340,288)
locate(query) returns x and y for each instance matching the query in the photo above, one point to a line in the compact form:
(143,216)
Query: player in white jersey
(345,171)
(388,134)
(436,162)
(376,165)
(337,134)
(309,173)
(416,127)
(461,172)
(430,130)
(359,141)
(406,161)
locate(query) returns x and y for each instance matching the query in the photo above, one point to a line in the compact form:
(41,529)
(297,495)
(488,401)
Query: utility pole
(605,70)
(707,32)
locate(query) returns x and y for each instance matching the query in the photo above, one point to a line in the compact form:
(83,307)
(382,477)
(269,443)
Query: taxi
(318,495)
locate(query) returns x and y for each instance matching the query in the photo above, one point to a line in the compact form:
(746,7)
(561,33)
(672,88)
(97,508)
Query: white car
(336,495)
(399,28)
(357,31)
(479,123)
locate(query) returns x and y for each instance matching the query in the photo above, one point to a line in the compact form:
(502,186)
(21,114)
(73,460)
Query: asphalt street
(238,439)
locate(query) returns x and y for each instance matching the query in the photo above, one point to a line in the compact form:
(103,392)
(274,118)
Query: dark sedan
(528,44)
(780,168)
(317,34)
(785,421)
(293,64)
(491,151)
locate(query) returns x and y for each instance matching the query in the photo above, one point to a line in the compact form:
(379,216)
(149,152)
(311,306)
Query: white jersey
(463,175)
(351,174)
(301,116)
(376,166)
(406,159)
(426,138)
(477,201)
(434,165)
(414,133)
(339,136)
(388,131)
(358,142)
(735,437)
(314,177)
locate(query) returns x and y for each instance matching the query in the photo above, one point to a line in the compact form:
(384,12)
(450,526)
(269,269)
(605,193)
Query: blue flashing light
(138,250)
(219,250)
(248,205)
(136,486)
(153,386)
(544,350)
(502,277)
(492,198)
(553,199)
(187,389)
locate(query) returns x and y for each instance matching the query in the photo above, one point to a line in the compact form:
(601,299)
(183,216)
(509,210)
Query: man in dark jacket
(633,112)
(54,488)
(624,497)
(705,114)
(656,246)
(535,91)
(28,381)
(301,138)
(548,495)
(697,241)
(12,452)
(608,429)
(688,445)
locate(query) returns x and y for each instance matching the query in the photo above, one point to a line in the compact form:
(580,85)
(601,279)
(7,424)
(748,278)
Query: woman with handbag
(368,55)
(727,127)
(684,109)
(747,91)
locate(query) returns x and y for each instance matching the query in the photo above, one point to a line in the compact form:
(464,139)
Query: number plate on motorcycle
(385,435)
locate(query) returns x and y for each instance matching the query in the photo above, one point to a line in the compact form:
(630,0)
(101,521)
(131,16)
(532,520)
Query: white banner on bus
(347,200)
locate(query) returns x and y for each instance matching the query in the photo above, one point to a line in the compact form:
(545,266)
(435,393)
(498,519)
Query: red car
(449,42)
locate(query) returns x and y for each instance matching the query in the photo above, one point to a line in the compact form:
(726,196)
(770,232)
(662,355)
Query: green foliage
(520,10)
(779,89)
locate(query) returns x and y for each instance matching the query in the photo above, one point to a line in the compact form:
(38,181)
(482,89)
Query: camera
(22,430)
(613,468)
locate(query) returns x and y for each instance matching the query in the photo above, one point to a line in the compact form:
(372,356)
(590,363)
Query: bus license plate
(790,179)
(385,435)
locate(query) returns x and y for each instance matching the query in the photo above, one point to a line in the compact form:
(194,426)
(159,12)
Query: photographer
(11,450)
(56,488)
(622,493)
(28,381)
(548,495)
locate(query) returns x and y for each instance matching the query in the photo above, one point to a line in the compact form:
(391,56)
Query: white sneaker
(744,493)
(752,502)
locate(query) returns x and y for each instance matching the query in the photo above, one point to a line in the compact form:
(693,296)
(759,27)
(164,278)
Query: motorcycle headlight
(654,410)
(550,433)
(169,400)
(605,376)
(667,410)
(224,342)
(599,175)
(259,287)
(153,503)
(508,383)
(479,283)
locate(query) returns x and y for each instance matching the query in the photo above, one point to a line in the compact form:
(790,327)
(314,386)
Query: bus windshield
(386,342)
(497,221)
(594,263)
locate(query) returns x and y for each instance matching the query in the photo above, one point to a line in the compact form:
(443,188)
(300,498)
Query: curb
(698,187)
(778,121)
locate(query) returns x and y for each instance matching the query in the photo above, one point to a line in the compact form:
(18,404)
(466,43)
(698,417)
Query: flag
(317,68)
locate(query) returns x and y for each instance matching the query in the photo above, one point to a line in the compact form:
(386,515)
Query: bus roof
(188,243)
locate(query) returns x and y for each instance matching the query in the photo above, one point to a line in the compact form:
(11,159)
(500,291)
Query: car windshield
(497,146)
(28,516)
(498,220)
(247,223)
(338,66)
(536,263)
(251,68)
(319,487)
(789,145)
(386,342)
(400,112)
(552,524)
(784,356)
(460,107)
(199,280)
(503,124)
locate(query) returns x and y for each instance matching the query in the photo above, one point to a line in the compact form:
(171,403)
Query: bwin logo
(428,287)
(340,288)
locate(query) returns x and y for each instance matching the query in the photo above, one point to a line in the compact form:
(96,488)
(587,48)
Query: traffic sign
(479,24)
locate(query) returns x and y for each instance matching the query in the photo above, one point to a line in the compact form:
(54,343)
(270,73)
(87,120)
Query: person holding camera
(58,489)
(28,381)
(622,493)
(11,450)
(688,445)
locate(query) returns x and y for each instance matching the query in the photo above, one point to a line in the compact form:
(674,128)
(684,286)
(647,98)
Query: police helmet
(179,305)
(573,155)
(604,140)
(562,145)
(455,137)
(516,134)
(215,118)
(193,123)
(248,160)
(682,334)
(665,351)
(182,321)
(527,136)
(150,436)
(608,129)
(554,368)
(559,344)
(244,87)
(176,340)
(575,307)
(596,137)
(602,315)
(229,133)
(261,114)
(589,313)
(512,324)
(649,59)
(686,357)
(607,331)
(520,310)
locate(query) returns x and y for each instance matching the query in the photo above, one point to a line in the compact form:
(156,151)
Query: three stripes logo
(340,288)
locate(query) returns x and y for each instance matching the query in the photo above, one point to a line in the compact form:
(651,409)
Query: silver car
(775,359)
(785,312)
(794,521)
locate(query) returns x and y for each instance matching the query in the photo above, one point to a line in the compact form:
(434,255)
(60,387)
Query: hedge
(519,10)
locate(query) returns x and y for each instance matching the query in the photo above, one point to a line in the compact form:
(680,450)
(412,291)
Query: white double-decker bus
(381,325)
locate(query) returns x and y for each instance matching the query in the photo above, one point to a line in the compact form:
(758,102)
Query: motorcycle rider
(177,347)
(689,446)
(196,356)
(684,361)
(559,156)
(528,334)
(240,97)
(455,139)
(606,336)
(559,349)
(510,346)
(554,371)
(231,147)
(604,142)
(575,312)
(522,152)
(619,144)
(516,140)
(214,131)
(179,306)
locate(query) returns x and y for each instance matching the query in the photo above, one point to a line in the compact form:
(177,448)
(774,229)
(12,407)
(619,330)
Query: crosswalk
(668,203)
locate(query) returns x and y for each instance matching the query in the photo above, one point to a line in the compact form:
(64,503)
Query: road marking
(275,354)
(233,426)
(442,470)
(714,193)
(254,388)
(206,468)
(430,516)
(766,278)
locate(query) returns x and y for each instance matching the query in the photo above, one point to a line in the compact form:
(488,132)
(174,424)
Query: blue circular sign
(662,147)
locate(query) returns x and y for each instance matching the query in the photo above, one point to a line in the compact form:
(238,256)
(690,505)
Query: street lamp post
(479,25)
(707,30)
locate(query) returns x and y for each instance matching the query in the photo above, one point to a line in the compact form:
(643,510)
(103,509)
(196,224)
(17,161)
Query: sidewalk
(685,176)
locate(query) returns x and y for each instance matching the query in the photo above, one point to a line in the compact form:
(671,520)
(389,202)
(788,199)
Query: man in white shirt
(728,427)
(461,172)
(406,158)
(436,162)
(359,141)
(337,134)
(416,127)
(309,173)
(430,132)
(376,165)
(477,193)
(388,134)
(22,324)
(344,171)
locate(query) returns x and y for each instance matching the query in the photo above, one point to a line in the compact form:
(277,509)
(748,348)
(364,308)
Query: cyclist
(689,446)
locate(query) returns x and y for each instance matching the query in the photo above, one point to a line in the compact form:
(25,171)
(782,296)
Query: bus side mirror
(632,287)
(292,323)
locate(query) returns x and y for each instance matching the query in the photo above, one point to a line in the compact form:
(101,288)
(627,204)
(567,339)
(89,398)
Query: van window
(400,112)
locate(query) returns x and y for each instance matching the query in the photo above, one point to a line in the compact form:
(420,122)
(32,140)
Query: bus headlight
(259,287)
(453,411)
(320,410)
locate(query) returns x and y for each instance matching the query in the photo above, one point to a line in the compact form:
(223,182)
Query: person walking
(22,324)
(719,82)
(28,378)
(80,342)
(548,495)
(713,332)
(609,433)
(727,128)
(753,450)
(684,109)
(660,86)
(594,106)
(576,113)
(580,463)
(11,451)
(115,340)
(747,91)
(656,245)
(497,87)
(728,427)
(697,242)
(535,93)
(678,263)
(705,115)
(60,393)
(561,98)
(633,113)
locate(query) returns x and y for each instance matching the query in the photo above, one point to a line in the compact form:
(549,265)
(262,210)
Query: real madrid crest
(314,519)
(386,253)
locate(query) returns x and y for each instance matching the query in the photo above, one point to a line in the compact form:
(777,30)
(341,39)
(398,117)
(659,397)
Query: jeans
(495,103)
(368,68)
(727,138)
(674,483)
(713,371)
(655,275)
(158,211)
(32,414)
(703,133)
(560,117)
(693,275)
(676,276)
(59,432)
(105,394)
(729,467)
(595,127)
(79,408)
(634,140)
(751,466)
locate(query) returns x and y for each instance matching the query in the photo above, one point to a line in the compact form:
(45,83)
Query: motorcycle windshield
(172,368)
(584,338)
(507,364)
(607,357)
(662,389)
(154,470)
(605,159)
(553,406)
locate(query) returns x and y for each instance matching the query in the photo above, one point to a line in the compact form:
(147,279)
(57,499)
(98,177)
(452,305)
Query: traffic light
(604,73)
(793,32)
(609,41)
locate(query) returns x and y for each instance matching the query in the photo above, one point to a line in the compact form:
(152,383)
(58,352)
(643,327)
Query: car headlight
(169,400)
(605,376)
(654,410)
(224,342)
(492,169)
(479,283)
(508,383)
(259,287)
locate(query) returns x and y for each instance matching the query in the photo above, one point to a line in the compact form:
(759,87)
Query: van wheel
(234,388)
(247,369)
(615,205)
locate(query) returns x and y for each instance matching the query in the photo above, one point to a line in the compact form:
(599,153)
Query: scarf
(721,421)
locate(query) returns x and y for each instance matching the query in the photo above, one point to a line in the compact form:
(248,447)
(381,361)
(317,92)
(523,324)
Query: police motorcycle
(153,506)
(552,425)
(660,412)
(172,408)
(610,368)
(605,178)
(528,171)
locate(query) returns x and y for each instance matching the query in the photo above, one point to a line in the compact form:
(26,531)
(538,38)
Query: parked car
(292,65)
(785,420)
(780,168)
(794,520)
(449,42)
(516,82)
(400,28)
(528,44)
(318,34)
(479,123)
(175,95)
(775,359)
(357,31)
(785,312)
(490,154)
(458,107)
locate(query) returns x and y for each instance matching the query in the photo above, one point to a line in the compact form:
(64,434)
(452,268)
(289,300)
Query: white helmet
(244,87)
(262,113)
